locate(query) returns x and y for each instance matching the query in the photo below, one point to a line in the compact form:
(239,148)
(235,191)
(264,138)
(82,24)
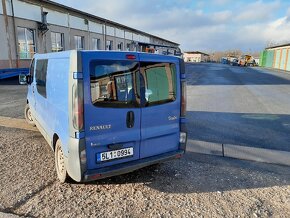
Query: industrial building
(40,26)
(195,56)
(277,57)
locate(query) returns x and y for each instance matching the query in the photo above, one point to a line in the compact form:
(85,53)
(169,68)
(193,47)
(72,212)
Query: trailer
(12,72)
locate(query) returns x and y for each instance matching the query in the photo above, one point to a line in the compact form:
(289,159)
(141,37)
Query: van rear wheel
(59,163)
(28,115)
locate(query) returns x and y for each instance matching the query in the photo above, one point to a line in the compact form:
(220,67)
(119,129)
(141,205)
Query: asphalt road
(12,98)
(239,106)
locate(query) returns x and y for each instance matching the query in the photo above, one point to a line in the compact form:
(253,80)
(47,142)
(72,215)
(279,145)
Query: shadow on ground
(9,81)
(197,173)
(270,131)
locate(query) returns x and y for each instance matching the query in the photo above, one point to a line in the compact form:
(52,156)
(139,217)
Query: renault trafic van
(106,113)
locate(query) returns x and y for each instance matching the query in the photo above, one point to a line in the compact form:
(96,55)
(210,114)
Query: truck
(106,113)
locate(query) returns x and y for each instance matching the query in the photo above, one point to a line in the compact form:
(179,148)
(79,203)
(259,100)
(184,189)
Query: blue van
(106,113)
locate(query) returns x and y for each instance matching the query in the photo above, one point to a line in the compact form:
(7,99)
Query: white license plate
(116,154)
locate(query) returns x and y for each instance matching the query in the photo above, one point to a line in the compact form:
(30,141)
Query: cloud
(257,11)
(199,25)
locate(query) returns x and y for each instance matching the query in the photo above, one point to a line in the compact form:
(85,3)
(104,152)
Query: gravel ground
(196,185)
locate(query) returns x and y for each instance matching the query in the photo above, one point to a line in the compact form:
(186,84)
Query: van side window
(40,76)
(31,70)
(113,83)
(160,82)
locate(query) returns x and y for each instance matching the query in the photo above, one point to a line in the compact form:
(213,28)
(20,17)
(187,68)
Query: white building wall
(77,23)
(1,8)
(3,40)
(136,37)
(128,35)
(56,18)
(25,10)
(119,33)
(8,7)
(95,27)
(110,31)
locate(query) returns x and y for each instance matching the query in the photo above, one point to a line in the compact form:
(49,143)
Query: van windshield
(130,84)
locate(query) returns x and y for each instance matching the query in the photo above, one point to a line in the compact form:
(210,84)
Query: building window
(26,42)
(120,46)
(96,44)
(109,45)
(79,42)
(57,42)
(128,46)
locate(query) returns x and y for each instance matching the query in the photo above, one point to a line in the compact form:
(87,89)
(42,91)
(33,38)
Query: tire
(59,163)
(28,115)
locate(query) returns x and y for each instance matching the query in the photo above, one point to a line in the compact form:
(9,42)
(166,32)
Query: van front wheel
(28,115)
(59,163)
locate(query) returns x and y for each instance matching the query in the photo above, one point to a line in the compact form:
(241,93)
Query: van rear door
(160,114)
(111,108)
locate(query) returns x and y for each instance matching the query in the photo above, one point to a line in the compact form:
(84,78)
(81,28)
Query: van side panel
(57,96)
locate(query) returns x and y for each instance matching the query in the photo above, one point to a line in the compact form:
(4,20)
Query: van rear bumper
(115,170)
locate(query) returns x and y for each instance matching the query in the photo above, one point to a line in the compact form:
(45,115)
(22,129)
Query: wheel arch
(54,140)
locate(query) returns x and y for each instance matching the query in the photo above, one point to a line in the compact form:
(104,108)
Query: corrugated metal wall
(278,58)
(288,60)
(270,58)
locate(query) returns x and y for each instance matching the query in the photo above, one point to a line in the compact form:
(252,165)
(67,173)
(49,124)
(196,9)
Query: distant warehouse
(195,56)
(40,26)
(277,57)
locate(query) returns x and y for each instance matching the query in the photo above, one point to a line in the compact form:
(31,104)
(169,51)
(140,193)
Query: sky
(208,26)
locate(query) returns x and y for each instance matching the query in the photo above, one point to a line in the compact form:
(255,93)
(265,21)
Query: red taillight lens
(183,99)
(78,106)
(131,57)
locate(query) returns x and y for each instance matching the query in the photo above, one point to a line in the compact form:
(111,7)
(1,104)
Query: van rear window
(113,83)
(131,84)
(160,82)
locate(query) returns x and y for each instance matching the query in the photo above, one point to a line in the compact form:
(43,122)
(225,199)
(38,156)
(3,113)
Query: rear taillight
(78,106)
(183,99)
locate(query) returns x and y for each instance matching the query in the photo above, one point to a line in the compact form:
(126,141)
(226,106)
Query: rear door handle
(130,120)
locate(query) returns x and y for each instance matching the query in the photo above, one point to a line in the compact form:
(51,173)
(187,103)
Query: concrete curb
(8,215)
(16,123)
(240,152)
(204,147)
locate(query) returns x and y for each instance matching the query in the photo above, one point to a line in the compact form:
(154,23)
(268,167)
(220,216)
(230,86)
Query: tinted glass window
(57,42)
(40,76)
(113,83)
(160,82)
(26,42)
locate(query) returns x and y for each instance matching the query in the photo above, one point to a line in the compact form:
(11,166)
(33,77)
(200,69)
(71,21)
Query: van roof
(67,54)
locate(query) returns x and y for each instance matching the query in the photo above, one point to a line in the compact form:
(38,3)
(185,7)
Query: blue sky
(208,26)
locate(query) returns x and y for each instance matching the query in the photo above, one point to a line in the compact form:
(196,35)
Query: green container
(269,58)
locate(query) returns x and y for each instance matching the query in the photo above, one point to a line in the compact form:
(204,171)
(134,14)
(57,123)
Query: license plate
(116,154)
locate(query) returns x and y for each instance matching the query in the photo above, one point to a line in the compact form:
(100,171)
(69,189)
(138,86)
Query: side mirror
(23,79)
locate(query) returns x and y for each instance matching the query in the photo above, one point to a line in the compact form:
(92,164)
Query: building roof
(196,52)
(278,46)
(106,21)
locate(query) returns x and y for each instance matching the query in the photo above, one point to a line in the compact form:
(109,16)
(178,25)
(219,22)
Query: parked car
(234,62)
(107,113)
